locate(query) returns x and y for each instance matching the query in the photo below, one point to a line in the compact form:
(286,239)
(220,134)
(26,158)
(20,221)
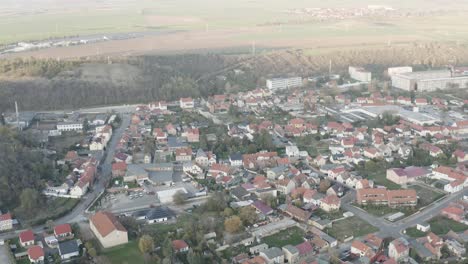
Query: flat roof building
(359,74)
(283,83)
(429,80)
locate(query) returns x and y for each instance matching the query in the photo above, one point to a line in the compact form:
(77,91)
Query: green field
(441,225)
(292,236)
(426,195)
(348,227)
(413,232)
(26,21)
(125,254)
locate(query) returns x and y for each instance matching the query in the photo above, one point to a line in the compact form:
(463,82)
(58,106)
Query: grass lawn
(441,225)
(330,216)
(292,236)
(379,210)
(124,254)
(348,227)
(426,196)
(23,261)
(380,178)
(413,232)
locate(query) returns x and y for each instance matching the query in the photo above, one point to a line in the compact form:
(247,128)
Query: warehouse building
(428,80)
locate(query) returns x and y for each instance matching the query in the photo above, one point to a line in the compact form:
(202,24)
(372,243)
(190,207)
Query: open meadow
(187,25)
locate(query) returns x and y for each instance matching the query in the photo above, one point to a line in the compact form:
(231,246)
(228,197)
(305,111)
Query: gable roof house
(63,231)
(108,230)
(26,238)
(36,254)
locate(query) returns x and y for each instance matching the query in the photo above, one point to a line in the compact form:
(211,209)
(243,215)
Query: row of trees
(23,171)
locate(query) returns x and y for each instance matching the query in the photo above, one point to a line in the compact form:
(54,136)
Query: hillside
(42,85)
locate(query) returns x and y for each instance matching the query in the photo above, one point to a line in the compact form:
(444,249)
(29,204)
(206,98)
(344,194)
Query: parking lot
(123,202)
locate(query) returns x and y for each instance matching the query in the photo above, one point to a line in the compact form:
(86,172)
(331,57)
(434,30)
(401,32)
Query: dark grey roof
(140,213)
(160,176)
(239,192)
(175,142)
(273,252)
(158,213)
(68,247)
(235,156)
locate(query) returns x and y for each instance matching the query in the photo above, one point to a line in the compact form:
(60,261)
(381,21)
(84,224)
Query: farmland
(184,25)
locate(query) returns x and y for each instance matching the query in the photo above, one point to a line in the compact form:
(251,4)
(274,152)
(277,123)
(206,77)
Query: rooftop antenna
(17,115)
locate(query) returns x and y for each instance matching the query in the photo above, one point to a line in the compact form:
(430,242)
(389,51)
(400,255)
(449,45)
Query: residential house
(297,213)
(291,254)
(69,249)
(361,249)
(26,238)
(201,158)
(192,135)
(292,151)
(330,203)
(272,255)
(455,247)
(186,103)
(398,249)
(180,246)
(235,159)
(119,169)
(108,230)
(63,231)
(36,254)
(183,154)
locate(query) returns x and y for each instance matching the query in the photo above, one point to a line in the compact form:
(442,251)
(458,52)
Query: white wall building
(428,80)
(283,83)
(69,126)
(399,70)
(359,74)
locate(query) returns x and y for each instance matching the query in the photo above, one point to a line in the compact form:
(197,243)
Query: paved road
(77,214)
(395,229)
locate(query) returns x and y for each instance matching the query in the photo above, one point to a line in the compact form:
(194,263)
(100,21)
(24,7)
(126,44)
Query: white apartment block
(69,126)
(283,83)
(359,74)
(428,80)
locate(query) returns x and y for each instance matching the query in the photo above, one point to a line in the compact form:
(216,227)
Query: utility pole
(17,115)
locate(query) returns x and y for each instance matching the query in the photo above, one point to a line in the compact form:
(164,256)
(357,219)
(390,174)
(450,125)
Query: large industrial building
(428,80)
(359,74)
(399,70)
(283,83)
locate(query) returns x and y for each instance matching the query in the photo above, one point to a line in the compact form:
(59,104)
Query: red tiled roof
(304,248)
(26,236)
(106,223)
(35,252)
(120,166)
(5,217)
(62,229)
(179,244)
